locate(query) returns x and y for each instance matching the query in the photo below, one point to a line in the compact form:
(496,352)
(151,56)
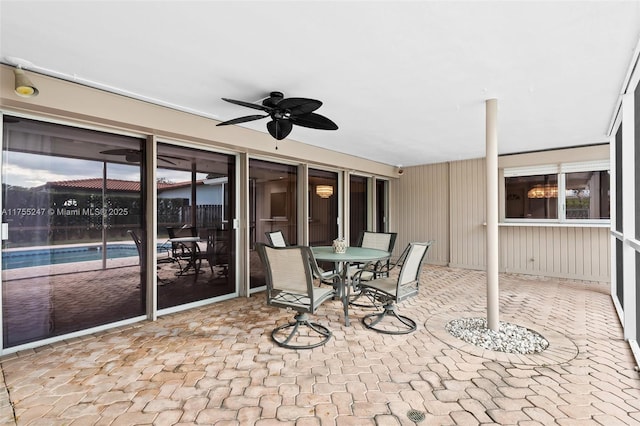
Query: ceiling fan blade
(122,151)
(313,121)
(135,156)
(242,120)
(279,129)
(161,157)
(248,104)
(298,106)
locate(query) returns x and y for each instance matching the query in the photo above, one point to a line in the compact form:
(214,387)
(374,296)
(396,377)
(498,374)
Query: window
(587,195)
(532,197)
(565,192)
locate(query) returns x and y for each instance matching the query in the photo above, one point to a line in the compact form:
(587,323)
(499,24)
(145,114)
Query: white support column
(493,299)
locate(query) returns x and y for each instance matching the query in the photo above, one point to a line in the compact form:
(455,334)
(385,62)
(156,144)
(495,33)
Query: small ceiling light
(24,87)
(324,191)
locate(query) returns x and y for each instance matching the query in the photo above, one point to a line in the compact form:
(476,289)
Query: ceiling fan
(284,113)
(135,155)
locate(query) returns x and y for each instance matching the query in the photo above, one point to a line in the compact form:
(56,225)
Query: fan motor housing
(273,99)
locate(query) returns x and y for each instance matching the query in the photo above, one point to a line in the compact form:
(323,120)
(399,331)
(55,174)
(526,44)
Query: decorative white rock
(509,338)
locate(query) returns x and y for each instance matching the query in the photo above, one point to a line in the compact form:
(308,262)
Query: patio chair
(160,260)
(217,251)
(178,250)
(385,241)
(138,242)
(276,238)
(289,275)
(391,290)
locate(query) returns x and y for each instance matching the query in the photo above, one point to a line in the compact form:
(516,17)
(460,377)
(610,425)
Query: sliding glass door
(358,204)
(382,188)
(273,206)
(69,198)
(196,191)
(323,207)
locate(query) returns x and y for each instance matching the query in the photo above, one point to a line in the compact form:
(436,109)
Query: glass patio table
(342,261)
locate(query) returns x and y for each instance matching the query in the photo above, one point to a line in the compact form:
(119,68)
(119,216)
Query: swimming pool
(56,255)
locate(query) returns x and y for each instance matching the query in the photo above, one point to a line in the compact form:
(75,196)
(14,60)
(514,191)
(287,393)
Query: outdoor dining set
(187,247)
(361,275)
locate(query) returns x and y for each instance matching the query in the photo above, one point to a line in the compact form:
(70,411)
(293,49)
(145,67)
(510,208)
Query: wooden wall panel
(421,210)
(467,213)
(559,251)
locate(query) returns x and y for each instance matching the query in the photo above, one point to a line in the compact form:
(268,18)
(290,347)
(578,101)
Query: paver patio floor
(216,365)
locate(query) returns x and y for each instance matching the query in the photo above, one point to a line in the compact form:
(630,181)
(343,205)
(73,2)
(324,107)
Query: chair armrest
(368,267)
(321,274)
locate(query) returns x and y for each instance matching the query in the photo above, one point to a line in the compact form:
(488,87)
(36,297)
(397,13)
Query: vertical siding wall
(446,202)
(468,214)
(421,207)
(566,252)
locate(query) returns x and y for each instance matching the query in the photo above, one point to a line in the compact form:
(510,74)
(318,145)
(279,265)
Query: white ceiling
(405,81)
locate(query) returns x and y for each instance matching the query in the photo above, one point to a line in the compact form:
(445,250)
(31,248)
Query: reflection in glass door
(196,191)
(272,207)
(323,207)
(70,196)
(357,207)
(381,205)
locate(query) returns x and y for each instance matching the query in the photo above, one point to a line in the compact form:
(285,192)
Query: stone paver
(197,367)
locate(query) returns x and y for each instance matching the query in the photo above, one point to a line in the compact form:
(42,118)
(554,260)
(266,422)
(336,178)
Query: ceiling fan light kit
(284,113)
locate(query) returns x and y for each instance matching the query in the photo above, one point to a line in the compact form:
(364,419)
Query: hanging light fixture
(324,191)
(24,87)
(543,191)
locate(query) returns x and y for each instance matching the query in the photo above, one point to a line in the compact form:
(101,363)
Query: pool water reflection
(13,259)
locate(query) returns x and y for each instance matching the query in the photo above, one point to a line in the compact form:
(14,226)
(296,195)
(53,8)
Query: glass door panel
(195,234)
(357,207)
(272,207)
(70,196)
(381,205)
(323,207)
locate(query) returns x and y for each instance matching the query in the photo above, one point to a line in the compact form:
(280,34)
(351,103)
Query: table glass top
(353,254)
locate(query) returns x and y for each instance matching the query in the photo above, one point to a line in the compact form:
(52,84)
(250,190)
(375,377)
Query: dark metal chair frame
(217,251)
(185,251)
(161,260)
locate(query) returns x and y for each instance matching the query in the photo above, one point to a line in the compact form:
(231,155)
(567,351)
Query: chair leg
(407,325)
(301,320)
